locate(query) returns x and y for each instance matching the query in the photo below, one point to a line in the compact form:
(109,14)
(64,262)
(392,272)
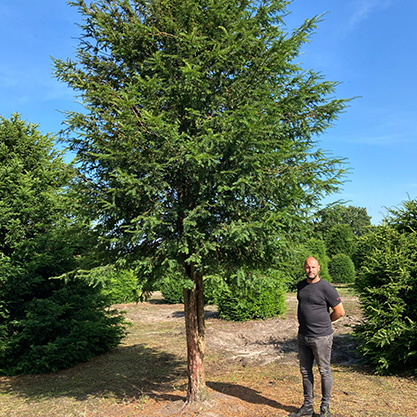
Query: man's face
(311,268)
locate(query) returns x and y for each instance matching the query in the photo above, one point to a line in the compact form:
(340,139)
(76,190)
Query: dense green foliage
(342,269)
(199,131)
(363,247)
(292,268)
(340,239)
(404,217)
(253,295)
(344,230)
(355,217)
(387,283)
(172,289)
(45,324)
(121,286)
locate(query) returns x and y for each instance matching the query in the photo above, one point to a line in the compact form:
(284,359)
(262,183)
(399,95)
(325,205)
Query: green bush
(340,239)
(46,323)
(256,295)
(362,249)
(172,289)
(214,285)
(387,284)
(64,324)
(342,269)
(121,287)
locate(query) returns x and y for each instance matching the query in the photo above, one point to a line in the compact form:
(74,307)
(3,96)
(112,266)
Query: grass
(146,376)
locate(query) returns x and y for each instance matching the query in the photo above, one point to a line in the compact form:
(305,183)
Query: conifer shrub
(49,319)
(340,239)
(172,289)
(214,285)
(121,286)
(60,324)
(387,285)
(362,249)
(342,269)
(259,295)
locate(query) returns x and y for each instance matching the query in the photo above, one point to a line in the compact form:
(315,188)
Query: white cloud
(364,8)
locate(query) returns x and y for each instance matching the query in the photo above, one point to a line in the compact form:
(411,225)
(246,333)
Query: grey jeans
(320,349)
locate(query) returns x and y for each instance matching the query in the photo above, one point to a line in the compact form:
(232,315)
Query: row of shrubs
(256,295)
(246,295)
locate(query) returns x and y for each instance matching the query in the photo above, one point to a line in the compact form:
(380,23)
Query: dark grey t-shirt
(314,301)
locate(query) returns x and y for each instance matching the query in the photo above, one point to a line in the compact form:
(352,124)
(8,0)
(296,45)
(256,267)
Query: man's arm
(338,311)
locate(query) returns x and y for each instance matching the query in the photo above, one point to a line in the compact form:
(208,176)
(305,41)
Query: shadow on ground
(126,373)
(247,394)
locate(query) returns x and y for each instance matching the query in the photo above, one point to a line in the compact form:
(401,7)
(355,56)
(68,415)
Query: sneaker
(303,411)
(325,412)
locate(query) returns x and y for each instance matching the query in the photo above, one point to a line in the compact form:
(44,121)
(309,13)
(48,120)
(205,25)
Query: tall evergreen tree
(45,324)
(197,148)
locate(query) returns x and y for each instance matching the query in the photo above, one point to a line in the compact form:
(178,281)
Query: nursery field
(251,370)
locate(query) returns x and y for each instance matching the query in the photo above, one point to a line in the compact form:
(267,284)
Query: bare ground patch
(251,371)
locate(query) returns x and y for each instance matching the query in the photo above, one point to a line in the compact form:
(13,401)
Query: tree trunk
(195,331)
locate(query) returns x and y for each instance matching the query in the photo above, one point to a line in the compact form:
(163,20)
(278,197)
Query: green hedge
(121,287)
(342,269)
(172,289)
(257,295)
(387,284)
(68,324)
(340,239)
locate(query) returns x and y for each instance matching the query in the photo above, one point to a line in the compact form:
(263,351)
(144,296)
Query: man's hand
(338,311)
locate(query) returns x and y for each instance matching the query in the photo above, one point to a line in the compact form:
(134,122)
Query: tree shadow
(247,394)
(127,372)
(208,314)
(344,351)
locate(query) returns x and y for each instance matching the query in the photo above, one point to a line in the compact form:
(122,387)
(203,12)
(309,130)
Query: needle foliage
(46,324)
(197,145)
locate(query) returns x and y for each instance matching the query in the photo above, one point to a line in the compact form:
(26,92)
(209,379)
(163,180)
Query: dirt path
(249,347)
(259,341)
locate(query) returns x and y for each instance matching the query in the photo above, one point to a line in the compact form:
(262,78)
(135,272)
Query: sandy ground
(250,344)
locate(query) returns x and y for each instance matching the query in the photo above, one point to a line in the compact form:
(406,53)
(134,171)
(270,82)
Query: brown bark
(195,331)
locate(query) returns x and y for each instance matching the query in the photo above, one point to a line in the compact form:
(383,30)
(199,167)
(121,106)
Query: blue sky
(369,46)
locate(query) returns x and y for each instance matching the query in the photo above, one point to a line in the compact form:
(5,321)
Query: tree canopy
(197,149)
(355,217)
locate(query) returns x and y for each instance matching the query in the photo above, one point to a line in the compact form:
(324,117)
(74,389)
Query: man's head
(312,268)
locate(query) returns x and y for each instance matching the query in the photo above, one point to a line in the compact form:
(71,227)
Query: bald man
(316,297)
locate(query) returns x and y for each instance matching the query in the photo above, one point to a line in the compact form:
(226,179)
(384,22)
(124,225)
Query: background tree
(355,217)
(340,239)
(45,324)
(197,149)
(404,217)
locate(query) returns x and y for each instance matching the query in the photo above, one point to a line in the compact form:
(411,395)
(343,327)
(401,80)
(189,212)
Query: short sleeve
(333,298)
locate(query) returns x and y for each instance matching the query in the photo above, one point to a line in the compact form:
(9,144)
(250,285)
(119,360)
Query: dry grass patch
(251,367)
